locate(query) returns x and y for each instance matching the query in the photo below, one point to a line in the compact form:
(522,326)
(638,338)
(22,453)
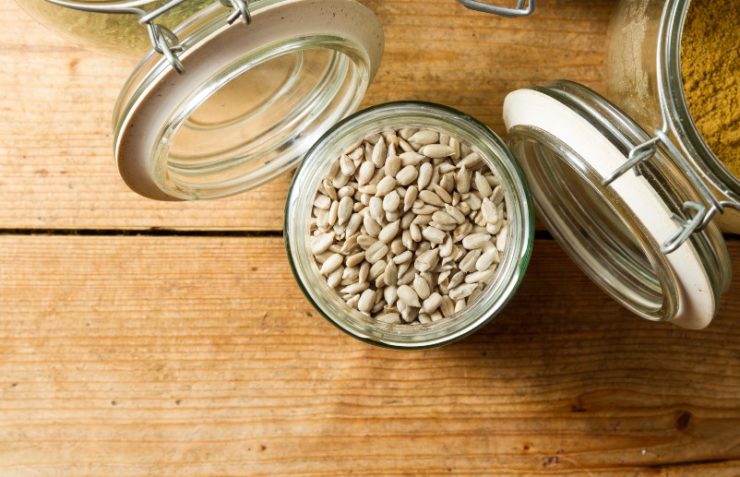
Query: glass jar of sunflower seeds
(404,330)
(408,225)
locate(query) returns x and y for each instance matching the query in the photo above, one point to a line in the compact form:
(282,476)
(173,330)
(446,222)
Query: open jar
(218,107)
(231,95)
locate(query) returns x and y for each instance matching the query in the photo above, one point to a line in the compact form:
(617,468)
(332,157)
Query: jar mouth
(673,96)
(252,99)
(589,225)
(314,168)
(251,122)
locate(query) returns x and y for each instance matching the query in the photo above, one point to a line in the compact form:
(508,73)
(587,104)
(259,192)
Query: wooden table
(141,338)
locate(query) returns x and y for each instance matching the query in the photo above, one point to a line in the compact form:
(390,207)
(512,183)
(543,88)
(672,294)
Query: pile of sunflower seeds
(409,225)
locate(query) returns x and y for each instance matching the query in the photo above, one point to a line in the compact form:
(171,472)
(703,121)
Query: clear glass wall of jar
(644,77)
(314,168)
(114,33)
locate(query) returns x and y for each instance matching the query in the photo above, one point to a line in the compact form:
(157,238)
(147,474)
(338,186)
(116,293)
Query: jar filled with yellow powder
(673,66)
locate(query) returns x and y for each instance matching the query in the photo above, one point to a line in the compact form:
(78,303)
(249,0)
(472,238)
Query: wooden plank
(194,356)
(56,169)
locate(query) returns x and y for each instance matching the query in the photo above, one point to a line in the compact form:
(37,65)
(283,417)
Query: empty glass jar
(232,94)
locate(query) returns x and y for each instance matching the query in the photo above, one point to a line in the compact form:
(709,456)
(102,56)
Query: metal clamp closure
(522,8)
(703,213)
(164,41)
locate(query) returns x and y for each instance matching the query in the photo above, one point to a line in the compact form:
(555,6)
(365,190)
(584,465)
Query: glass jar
(645,80)
(314,169)
(220,106)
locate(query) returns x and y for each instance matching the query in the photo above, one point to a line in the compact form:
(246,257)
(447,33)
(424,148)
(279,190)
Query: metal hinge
(164,40)
(699,214)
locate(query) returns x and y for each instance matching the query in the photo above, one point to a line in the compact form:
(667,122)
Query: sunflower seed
(407,132)
(367,171)
(411,158)
(463,291)
(434,235)
(482,185)
(425,175)
(442,193)
(407,295)
(432,303)
(392,166)
(389,232)
(391,202)
(375,252)
(427,260)
(390,275)
(501,238)
(408,199)
(421,287)
(471,161)
(385,185)
(379,153)
(407,175)
(335,277)
(376,208)
(321,243)
(447,306)
(489,211)
(483,276)
(431,198)
(476,240)
(377,269)
(390,295)
(487,259)
(347,165)
(436,151)
(364,273)
(423,137)
(331,264)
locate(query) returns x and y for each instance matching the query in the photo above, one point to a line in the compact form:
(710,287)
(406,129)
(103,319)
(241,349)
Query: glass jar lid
(251,99)
(620,203)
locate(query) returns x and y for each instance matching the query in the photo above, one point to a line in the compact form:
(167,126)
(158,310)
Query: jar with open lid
(217,107)
(229,95)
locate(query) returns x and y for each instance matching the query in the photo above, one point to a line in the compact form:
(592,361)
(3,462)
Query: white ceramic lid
(252,99)
(615,232)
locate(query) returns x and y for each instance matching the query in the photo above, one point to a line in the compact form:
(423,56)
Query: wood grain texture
(193,356)
(56,167)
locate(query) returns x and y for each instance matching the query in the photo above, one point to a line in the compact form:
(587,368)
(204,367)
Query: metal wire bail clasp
(523,8)
(698,214)
(164,41)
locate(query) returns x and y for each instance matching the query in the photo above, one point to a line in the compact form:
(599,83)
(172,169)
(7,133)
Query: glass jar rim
(512,268)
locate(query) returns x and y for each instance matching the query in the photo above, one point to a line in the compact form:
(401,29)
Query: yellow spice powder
(710,63)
